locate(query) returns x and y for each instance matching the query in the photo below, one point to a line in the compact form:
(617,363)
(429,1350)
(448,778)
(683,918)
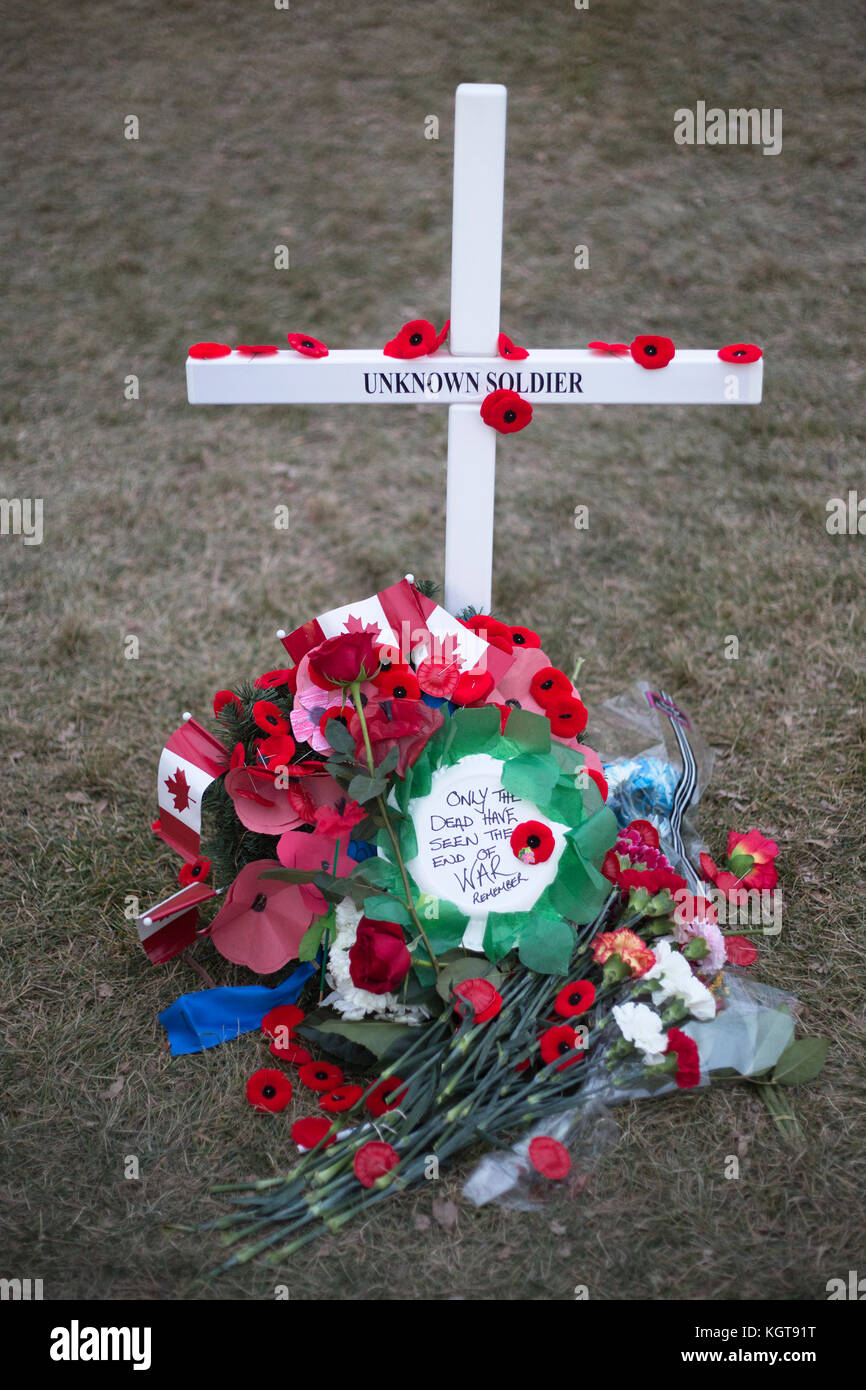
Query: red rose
(740,352)
(342,660)
(506,411)
(652,352)
(307,346)
(379,960)
(406,725)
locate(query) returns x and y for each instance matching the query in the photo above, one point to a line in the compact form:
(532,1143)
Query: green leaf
(801,1062)
(384,908)
(579,891)
(546,944)
(375,1036)
(389,762)
(363,788)
(312,937)
(292,875)
(376,870)
(472,730)
(531,776)
(501,933)
(339,737)
(445,928)
(741,864)
(465,968)
(531,732)
(596,835)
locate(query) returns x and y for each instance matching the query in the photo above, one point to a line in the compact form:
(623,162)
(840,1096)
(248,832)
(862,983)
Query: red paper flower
(472,688)
(272,680)
(740,950)
(511,350)
(279,1022)
(378,958)
(398,682)
(307,346)
(532,842)
(320,1076)
(259,350)
(524,637)
(481,996)
(308,1133)
(567,717)
(373,1161)
(549,685)
(575,998)
(652,352)
(340,1099)
(438,678)
(269,1090)
(206,350)
(344,659)
(490,630)
(386,1095)
(406,725)
(269,717)
(609,349)
(740,353)
(224,698)
(263,920)
(506,411)
(558,1041)
(549,1157)
(192,873)
(688,1072)
(291,1052)
(238,757)
(417,338)
(337,821)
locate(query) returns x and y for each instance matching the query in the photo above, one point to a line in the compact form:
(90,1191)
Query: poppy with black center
(741,353)
(269,1090)
(651,351)
(549,685)
(306,345)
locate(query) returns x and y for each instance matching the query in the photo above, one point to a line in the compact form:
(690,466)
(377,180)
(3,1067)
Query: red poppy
(268,717)
(269,1090)
(337,821)
(291,1052)
(341,660)
(210,350)
(386,1095)
(307,346)
(740,353)
(320,1076)
(549,1157)
(275,751)
(280,1021)
(575,998)
(308,1133)
(688,1072)
(549,685)
(472,688)
(609,349)
(397,682)
(557,1042)
(156,826)
(259,350)
(406,725)
(508,349)
(483,999)
(340,1099)
(532,842)
(524,637)
(506,411)
(238,757)
(490,630)
(443,333)
(567,717)
(271,680)
(652,352)
(417,338)
(226,697)
(373,1161)
(192,873)
(740,950)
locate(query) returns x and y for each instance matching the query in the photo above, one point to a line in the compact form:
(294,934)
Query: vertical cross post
(476,272)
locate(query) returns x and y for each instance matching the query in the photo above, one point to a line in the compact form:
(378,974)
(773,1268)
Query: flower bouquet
(489,944)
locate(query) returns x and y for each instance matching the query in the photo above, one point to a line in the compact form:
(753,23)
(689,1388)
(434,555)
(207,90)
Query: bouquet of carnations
(488,944)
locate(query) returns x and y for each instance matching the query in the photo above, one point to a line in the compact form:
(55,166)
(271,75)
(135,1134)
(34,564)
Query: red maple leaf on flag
(178,787)
(353,624)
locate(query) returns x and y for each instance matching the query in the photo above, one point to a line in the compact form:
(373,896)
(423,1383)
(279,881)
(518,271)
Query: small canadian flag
(170,926)
(190,761)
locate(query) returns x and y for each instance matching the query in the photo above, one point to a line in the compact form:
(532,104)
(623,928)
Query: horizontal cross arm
(546,376)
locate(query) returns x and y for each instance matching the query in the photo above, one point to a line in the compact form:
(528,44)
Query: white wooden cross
(473,368)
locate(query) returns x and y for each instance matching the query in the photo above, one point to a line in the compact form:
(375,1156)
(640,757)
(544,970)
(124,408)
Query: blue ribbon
(212,1016)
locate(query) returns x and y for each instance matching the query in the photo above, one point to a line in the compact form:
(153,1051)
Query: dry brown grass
(260,127)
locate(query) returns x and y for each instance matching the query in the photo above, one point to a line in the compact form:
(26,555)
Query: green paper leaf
(312,937)
(384,908)
(531,776)
(546,945)
(531,732)
(445,929)
(339,737)
(472,730)
(501,933)
(801,1062)
(376,870)
(579,891)
(596,836)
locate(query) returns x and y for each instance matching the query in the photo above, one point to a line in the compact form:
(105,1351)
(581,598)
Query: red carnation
(511,350)
(320,1076)
(575,998)
(308,1133)
(740,353)
(652,352)
(532,842)
(197,871)
(373,1161)
(524,637)
(567,717)
(206,350)
(340,1099)
(549,685)
(688,1072)
(609,349)
(344,659)
(386,1095)
(378,959)
(307,346)
(269,1090)
(483,999)
(224,698)
(506,411)
(558,1041)
(260,350)
(549,1157)
(417,338)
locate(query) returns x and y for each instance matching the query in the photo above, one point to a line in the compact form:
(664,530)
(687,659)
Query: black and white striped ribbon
(683,793)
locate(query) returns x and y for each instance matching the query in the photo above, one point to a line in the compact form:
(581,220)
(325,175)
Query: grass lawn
(261,127)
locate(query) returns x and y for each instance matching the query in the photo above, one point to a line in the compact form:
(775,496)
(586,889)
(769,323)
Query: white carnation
(678,981)
(641,1025)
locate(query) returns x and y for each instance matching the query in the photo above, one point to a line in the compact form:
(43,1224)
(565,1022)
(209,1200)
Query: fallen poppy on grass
(549,1157)
(291,1052)
(320,1076)
(281,1021)
(269,1090)
(340,1099)
(740,950)
(386,1095)
(309,1132)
